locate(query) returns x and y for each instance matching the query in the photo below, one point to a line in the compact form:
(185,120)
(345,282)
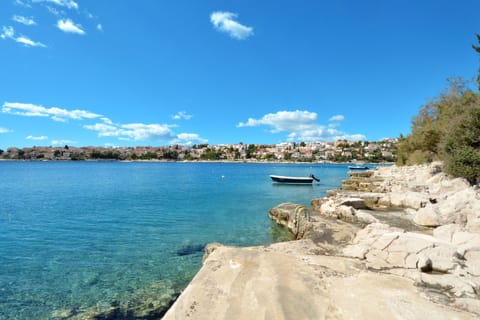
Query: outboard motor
(314,178)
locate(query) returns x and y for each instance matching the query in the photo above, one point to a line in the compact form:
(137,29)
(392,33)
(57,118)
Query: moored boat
(358,167)
(294,180)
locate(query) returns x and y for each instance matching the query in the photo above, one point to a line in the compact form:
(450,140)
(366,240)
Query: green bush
(465,163)
(447,129)
(462,145)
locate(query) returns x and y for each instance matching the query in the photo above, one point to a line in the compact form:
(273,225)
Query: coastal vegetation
(447,129)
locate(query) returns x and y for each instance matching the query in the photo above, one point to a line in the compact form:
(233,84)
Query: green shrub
(464,163)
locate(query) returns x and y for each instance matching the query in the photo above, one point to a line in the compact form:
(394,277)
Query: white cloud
(39,138)
(301,126)
(225,22)
(283,120)
(9,33)
(134,131)
(99,27)
(68,26)
(182,115)
(29,43)
(145,132)
(140,131)
(24,20)
(22,4)
(54,11)
(104,130)
(188,139)
(4,130)
(107,120)
(70,4)
(62,142)
(57,114)
(337,117)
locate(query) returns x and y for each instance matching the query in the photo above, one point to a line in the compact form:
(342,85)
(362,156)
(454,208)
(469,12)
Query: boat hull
(359,168)
(291,180)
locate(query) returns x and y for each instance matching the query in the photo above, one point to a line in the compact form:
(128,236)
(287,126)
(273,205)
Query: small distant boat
(358,167)
(294,180)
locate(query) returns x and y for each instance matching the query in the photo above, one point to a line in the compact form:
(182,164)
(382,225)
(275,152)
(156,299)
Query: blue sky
(159,72)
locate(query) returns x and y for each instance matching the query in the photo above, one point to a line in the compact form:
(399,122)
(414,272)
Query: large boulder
(330,234)
(293,216)
(455,207)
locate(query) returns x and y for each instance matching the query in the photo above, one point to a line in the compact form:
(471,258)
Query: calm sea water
(82,236)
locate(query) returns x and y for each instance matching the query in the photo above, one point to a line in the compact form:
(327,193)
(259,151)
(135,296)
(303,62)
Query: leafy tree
(477,49)
(251,151)
(148,156)
(269,156)
(188,157)
(433,123)
(210,154)
(21,154)
(462,145)
(77,156)
(170,155)
(465,163)
(447,129)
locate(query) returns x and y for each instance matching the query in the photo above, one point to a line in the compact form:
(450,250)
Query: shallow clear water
(78,235)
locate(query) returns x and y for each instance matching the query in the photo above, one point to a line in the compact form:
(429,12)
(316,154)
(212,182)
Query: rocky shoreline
(397,242)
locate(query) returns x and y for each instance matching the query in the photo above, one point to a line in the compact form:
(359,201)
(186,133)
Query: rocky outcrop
(292,281)
(391,243)
(304,223)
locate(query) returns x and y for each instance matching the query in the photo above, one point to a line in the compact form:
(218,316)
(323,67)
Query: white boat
(294,180)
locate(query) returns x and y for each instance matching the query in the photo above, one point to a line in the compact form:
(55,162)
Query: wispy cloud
(337,117)
(300,126)
(24,20)
(335,121)
(105,128)
(182,115)
(55,11)
(9,33)
(225,22)
(283,121)
(99,27)
(62,142)
(188,139)
(67,25)
(56,114)
(37,138)
(28,42)
(134,131)
(4,130)
(69,4)
(21,3)
(145,132)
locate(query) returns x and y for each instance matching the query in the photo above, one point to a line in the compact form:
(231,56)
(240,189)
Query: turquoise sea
(82,238)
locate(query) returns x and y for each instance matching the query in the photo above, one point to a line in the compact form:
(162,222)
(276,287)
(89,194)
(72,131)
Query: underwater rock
(188,249)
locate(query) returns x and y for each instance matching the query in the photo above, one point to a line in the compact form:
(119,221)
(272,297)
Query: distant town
(339,151)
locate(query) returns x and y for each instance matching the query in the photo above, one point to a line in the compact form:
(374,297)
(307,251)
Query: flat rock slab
(286,281)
